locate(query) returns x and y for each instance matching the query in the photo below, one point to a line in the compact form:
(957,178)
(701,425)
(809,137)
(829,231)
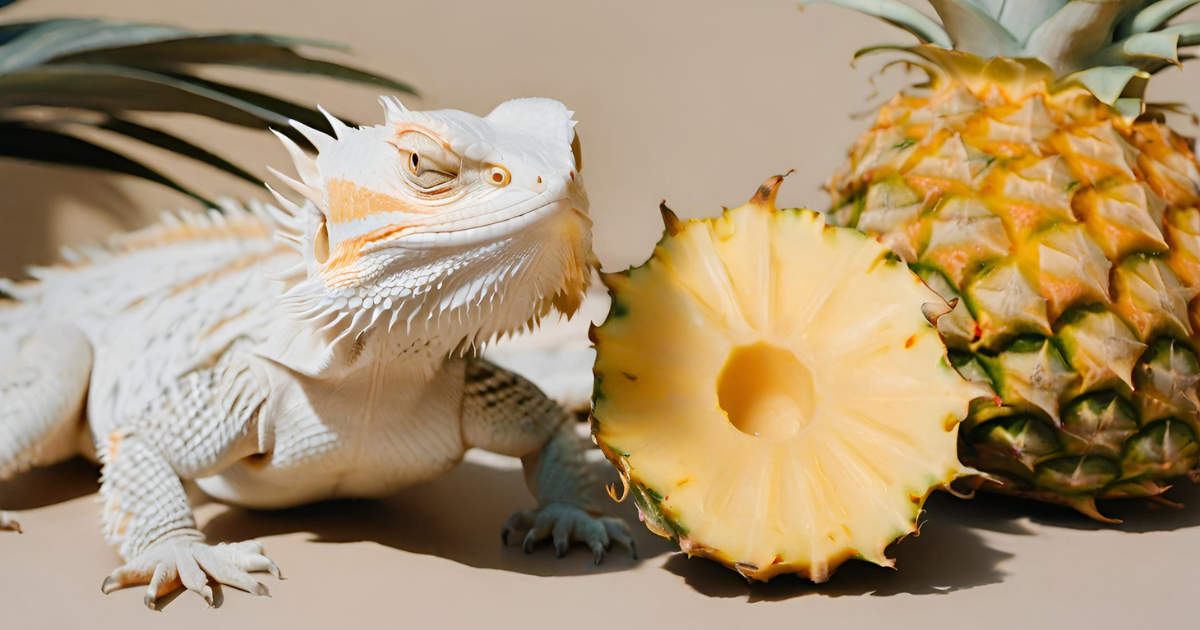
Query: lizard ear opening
(321,243)
(577,152)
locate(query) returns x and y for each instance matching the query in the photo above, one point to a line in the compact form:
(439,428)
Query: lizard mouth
(477,231)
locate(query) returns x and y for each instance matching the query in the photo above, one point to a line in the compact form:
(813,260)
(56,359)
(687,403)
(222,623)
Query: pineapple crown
(1109,47)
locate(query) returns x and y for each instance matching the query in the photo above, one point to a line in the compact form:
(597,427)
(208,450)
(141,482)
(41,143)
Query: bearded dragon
(279,355)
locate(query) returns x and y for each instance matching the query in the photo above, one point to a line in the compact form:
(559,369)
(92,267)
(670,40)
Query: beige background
(693,101)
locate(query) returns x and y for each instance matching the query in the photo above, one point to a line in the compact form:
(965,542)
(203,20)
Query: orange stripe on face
(348,202)
(345,253)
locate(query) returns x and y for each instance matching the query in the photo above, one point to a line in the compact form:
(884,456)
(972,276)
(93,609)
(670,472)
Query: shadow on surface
(56,484)
(946,557)
(1009,515)
(457,517)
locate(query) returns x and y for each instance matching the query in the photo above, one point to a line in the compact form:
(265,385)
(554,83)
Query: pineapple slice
(772,393)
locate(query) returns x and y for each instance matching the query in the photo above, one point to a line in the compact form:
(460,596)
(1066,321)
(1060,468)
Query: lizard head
(442,223)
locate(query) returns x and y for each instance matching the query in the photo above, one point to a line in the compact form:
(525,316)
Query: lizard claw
(188,562)
(564,524)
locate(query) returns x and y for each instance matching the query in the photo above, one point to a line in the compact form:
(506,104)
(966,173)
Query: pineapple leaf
(1189,34)
(26,141)
(1021,17)
(1153,17)
(974,31)
(1147,51)
(896,14)
(1106,82)
(1077,31)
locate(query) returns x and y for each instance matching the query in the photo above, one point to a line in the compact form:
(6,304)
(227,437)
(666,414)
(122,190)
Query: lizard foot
(8,522)
(187,561)
(565,524)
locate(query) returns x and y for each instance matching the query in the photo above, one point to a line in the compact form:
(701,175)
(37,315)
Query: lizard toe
(185,561)
(8,522)
(565,524)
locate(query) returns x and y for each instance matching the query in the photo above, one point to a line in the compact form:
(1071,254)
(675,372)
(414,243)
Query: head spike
(670,221)
(320,140)
(310,193)
(289,207)
(339,128)
(305,165)
(393,108)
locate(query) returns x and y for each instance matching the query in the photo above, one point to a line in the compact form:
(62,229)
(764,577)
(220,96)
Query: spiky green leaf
(1076,32)
(174,144)
(1106,83)
(46,41)
(1021,17)
(897,14)
(974,31)
(26,141)
(1147,51)
(1153,17)
(116,88)
(1189,34)
(251,50)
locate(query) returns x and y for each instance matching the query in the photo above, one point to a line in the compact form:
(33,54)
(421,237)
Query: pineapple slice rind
(772,392)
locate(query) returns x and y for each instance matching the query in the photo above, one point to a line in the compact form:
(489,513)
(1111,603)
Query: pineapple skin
(1071,237)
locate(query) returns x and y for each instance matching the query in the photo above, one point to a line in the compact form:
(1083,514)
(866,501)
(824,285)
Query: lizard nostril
(539,179)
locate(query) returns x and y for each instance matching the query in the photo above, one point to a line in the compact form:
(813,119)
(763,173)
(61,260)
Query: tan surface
(694,101)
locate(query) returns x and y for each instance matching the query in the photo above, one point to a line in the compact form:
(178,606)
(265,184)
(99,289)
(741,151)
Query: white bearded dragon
(324,350)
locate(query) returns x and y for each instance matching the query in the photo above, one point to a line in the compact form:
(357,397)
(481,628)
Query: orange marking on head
(345,253)
(348,201)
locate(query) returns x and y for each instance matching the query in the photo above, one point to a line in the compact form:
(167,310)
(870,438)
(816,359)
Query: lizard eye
(497,176)
(428,167)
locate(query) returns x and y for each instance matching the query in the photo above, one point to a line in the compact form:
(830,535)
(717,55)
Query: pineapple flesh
(773,394)
(1030,181)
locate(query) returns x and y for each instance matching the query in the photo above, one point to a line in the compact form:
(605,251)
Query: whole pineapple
(1030,181)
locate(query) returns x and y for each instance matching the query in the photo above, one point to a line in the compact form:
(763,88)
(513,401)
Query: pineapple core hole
(766,391)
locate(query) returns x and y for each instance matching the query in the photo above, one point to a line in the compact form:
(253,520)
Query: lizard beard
(435,301)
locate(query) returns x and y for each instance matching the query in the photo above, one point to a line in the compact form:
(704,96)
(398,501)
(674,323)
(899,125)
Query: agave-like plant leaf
(175,144)
(114,69)
(24,141)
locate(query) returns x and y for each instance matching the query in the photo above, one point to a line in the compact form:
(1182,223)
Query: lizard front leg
(504,413)
(201,423)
